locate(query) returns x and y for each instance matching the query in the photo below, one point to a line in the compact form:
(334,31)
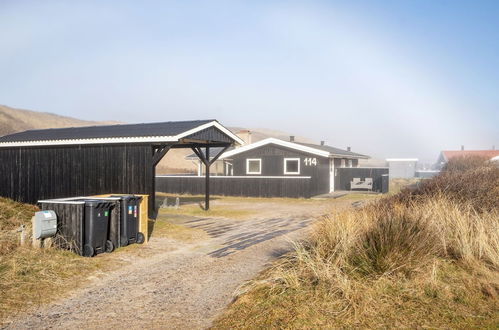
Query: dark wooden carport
(82,161)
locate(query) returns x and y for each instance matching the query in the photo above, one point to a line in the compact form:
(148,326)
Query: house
(402,167)
(447,155)
(277,168)
(275,157)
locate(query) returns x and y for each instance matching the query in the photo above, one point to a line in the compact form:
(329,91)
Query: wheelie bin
(96,227)
(129,225)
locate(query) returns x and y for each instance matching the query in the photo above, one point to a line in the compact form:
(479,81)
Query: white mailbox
(45,224)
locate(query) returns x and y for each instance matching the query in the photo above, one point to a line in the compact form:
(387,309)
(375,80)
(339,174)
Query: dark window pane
(253,166)
(292,166)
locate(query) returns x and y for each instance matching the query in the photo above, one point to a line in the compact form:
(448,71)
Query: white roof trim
(210,124)
(286,144)
(143,139)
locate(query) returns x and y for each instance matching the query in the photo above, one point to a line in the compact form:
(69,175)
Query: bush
(426,257)
(478,186)
(464,163)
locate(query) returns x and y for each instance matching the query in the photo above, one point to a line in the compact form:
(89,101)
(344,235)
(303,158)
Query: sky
(396,78)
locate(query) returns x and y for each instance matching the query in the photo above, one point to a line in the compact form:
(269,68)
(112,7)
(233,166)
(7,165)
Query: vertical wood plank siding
(230,186)
(70,224)
(29,174)
(272,157)
(70,233)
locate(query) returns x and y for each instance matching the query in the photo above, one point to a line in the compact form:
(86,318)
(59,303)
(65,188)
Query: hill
(14,120)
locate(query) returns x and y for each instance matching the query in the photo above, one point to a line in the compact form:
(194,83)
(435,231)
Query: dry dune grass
(423,258)
(28,274)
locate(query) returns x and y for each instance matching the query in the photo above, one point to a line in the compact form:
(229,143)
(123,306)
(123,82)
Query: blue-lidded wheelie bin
(129,225)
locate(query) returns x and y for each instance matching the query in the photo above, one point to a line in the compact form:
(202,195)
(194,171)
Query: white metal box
(45,224)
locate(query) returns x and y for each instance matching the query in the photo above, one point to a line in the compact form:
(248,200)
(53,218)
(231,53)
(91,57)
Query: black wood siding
(29,174)
(70,233)
(233,186)
(70,224)
(272,157)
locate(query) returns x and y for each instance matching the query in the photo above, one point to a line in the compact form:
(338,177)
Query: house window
(291,165)
(254,166)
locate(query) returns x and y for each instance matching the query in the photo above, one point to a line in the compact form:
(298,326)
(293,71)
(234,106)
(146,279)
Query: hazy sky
(389,78)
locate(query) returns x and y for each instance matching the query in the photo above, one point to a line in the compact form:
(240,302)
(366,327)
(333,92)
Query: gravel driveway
(181,285)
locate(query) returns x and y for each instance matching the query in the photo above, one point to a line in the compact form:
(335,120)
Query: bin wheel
(88,251)
(109,246)
(124,241)
(140,238)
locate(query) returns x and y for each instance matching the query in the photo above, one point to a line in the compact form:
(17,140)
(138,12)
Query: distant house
(402,167)
(447,155)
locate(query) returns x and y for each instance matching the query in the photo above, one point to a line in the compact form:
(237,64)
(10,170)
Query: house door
(331,175)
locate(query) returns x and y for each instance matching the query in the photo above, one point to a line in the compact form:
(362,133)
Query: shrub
(476,186)
(464,163)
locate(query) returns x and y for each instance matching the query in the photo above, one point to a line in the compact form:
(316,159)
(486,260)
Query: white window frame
(286,168)
(253,159)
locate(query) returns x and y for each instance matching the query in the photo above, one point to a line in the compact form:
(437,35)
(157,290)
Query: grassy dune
(426,257)
(30,277)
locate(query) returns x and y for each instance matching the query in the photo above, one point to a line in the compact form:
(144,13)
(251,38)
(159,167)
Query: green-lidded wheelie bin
(96,233)
(129,225)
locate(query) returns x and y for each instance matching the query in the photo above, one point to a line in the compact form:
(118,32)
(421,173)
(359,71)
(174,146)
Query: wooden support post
(22,230)
(207,163)
(207,181)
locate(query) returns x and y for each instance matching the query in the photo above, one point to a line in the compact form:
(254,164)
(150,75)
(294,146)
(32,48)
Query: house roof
(449,154)
(319,150)
(171,131)
(333,150)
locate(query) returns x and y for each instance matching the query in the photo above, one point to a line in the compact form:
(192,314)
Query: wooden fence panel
(294,187)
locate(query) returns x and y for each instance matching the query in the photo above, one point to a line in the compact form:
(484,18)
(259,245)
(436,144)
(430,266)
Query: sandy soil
(178,284)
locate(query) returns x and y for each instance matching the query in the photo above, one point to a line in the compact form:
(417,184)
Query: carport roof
(172,131)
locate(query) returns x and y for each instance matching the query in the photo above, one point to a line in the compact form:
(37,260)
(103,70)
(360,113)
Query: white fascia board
(160,139)
(143,139)
(282,143)
(210,124)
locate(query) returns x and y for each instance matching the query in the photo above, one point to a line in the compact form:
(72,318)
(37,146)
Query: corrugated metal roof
(170,128)
(332,150)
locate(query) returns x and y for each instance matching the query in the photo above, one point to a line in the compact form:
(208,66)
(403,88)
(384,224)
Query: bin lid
(98,204)
(128,197)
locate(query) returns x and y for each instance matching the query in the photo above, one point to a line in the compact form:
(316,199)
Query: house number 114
(310,161)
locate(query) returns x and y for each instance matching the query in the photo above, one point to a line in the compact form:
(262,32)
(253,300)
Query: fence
(248,186)
(346,174)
